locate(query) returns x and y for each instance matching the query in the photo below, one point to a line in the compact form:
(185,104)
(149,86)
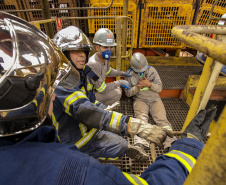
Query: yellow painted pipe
(190,35)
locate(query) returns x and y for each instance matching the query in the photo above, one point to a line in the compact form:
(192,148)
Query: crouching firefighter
(80,120)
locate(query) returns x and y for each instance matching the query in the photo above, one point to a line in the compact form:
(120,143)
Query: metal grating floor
(175,77)
(176,110)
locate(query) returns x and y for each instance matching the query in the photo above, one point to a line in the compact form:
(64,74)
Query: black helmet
(31,68)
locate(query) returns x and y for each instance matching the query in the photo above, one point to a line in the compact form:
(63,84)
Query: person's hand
(126,74)
(139,86)
(124,83)
(199,126)
(147,131)
(145,82)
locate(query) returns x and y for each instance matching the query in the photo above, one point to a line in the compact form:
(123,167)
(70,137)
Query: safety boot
(137,152)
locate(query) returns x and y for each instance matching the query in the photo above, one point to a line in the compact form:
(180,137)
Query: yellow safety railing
(210,167)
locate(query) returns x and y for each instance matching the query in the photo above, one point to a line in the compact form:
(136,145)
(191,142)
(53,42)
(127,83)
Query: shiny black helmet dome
(31,66)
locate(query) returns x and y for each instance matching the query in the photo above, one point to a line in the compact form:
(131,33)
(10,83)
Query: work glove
(126,74)
(124,83)
(199,126)
(147,131)
(113,106)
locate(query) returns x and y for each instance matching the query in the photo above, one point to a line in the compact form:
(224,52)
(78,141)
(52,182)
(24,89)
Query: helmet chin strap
(141,74)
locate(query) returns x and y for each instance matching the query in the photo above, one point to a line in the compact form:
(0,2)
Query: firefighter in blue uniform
(29,151)
(77,120)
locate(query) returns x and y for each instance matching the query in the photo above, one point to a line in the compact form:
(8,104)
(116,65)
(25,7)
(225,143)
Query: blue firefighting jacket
(76,117)
(37,159)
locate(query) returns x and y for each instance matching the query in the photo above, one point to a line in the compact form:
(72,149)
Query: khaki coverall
(106,93)
(147,100)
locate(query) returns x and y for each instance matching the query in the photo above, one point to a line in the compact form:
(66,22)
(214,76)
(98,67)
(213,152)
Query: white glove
(111,107)
(147,131)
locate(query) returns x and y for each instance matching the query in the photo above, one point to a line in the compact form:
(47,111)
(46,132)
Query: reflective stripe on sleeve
(108,71)
(83,129)
(83,90)
(102,87)
(72,98)
(86,138)
(89,86)
(168,128)
(135,180)
(115,121)
(144,89)
(43,90)
(35,102)
(56,125)
(187,160)
(111,159)
(96,102)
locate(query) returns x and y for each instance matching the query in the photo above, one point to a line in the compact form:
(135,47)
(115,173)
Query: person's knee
(118,92)
(122,146)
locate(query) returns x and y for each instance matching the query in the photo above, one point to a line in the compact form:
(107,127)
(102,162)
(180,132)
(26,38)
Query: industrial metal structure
(163,30)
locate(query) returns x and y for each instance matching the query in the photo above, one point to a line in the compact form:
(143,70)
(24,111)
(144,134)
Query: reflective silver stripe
(56,125)
(108,71)
(115,120)
(72,98)
(83,129)
(83,90)
(89,86)
(167,128)
(187,160)
(86,138)
(135,180)
(102,87)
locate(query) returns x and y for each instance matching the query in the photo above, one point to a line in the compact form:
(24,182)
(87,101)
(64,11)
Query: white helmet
(139,62)
(104,37)
(221,22)
(31,66)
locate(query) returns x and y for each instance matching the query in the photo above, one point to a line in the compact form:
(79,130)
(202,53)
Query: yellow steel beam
(194,80)
(206,84)
(190,35)
(211,165)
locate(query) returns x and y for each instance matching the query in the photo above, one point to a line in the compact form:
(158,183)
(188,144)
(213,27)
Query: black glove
(199,126)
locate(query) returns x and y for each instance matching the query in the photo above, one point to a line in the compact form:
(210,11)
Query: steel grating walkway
(175,77)
(176,110)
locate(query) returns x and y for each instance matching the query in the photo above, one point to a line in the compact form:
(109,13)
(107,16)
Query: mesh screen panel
(175,77)
(204,13)
(115,10)
(157,22)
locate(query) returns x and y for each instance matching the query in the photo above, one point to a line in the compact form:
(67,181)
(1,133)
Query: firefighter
(30,153)
(145,86)
(107,93)
(77,119)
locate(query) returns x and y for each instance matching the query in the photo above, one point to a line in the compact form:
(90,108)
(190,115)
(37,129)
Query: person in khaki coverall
(145,86)
(106,93)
